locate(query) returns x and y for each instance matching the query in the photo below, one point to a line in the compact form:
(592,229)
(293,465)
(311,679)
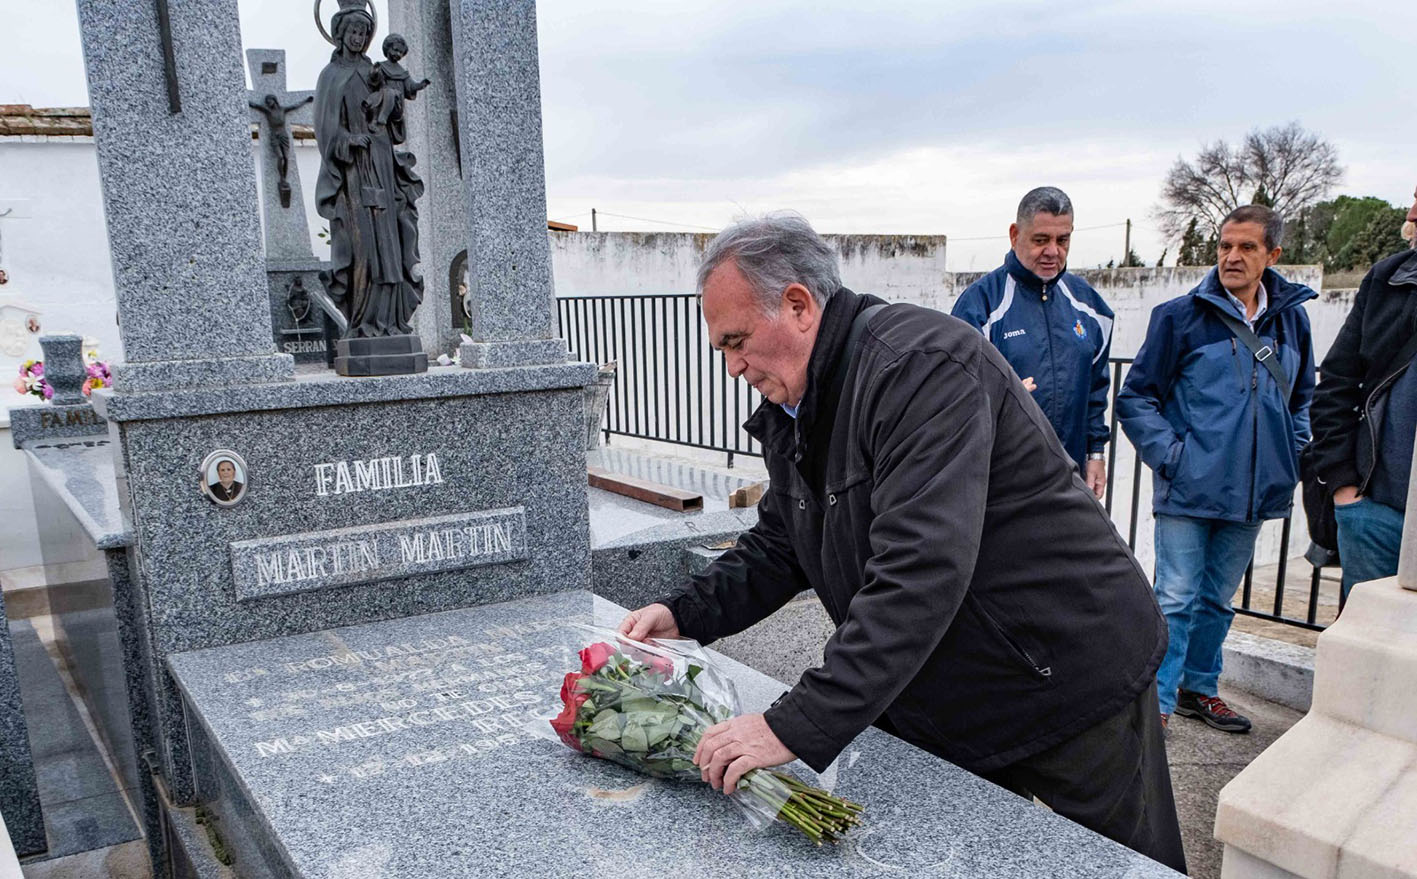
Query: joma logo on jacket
(1057,332)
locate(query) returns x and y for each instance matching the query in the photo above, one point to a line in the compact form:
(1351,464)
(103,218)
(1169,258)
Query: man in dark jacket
(986,609)
(1051,327)
(1365,416)
(1223,437)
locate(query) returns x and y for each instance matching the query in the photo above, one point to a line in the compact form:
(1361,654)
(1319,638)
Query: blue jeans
(1199,563)
(1369,537)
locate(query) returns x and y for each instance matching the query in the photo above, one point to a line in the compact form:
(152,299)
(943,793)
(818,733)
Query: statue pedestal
(380,355)
(1336,796)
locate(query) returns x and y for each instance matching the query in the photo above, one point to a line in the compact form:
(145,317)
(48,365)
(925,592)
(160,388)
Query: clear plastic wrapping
(646,705)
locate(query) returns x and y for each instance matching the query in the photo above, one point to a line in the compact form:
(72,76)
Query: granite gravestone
(300,324)
(326,458)
(499,119)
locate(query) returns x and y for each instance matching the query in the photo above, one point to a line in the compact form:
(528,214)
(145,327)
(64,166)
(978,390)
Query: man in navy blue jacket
(1223,438)
(1051,326)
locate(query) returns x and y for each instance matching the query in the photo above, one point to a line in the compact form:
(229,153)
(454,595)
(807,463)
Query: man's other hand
(1345,495)
(650,621)
(1030,385)
(1095,475)
(729,750)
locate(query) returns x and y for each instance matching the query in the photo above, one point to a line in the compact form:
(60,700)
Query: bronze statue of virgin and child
(367,190)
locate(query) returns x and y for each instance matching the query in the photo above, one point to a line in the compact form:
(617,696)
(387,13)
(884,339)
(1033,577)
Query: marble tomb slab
(82,473)
(400,748)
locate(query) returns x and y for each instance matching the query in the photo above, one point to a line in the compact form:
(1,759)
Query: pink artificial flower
(48,392)
(21,386)
(36,369)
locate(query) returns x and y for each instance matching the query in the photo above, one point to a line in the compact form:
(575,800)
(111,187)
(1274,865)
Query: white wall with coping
(639,263)
(900,268)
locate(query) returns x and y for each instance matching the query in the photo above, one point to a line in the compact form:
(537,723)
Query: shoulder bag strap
(1263,353)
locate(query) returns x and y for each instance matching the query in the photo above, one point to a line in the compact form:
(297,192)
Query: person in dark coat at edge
(986,609)
(1365,416)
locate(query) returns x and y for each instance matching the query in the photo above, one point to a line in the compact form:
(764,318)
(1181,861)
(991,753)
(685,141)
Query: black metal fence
(672,386)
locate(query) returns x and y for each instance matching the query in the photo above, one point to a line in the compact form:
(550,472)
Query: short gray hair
(774,251)
(1044,200)
(1271,220)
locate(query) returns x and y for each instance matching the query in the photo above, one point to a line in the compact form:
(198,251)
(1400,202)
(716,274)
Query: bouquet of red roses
(645,706)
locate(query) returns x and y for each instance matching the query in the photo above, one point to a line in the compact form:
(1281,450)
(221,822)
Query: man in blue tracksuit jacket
(1051,326)
(1223,439)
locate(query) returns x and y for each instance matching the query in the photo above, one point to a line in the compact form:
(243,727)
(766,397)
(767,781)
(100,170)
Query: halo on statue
(347,4)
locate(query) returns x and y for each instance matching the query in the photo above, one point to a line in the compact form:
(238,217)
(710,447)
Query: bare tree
(1284,167)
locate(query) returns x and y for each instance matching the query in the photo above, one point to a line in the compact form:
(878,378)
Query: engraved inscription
(420,703)
(321,559)
(70,418)
(377,474)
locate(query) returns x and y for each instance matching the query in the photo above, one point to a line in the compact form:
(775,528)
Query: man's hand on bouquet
(650,621)
(729,750)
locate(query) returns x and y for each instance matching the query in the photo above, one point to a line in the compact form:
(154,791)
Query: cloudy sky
(894,116)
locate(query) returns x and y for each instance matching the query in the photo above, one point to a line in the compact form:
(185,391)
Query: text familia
(377,474)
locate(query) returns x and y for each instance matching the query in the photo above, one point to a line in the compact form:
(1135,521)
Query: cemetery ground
(1202,759)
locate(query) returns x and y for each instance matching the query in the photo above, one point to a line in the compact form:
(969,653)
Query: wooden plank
(643,490)
(747,496)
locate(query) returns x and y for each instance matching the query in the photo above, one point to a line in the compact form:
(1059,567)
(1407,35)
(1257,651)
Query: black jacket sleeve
(745,585)
(929,433)
(1339,399)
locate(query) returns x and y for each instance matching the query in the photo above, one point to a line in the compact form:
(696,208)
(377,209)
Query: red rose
(570,692)
(595,656)
(565,722)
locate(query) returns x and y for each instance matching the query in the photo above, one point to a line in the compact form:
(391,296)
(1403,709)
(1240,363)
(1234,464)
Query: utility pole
(1127,248)
(592,221)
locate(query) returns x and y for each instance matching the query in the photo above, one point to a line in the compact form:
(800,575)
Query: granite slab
(640,551)
(82,474)
(19,792)
(48,421)
(326,389)
(498,93)
(179,194)
(402,748)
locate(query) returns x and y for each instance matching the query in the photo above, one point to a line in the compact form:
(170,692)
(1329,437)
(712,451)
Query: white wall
(901,268)
(54,246)
(636,263)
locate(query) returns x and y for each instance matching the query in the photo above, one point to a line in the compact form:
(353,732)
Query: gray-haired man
(986,610)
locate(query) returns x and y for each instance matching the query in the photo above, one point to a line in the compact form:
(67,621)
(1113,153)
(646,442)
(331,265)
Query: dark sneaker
(1213,710)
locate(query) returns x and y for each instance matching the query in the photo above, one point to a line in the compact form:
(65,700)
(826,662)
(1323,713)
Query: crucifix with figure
(276,109)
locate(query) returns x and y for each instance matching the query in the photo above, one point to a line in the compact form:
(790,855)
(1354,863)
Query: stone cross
(504,177)
(179,197)
(283,209)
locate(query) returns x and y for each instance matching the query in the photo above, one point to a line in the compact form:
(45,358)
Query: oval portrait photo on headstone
(224,477)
